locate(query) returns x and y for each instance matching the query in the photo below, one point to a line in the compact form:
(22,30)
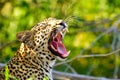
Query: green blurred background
(93,29)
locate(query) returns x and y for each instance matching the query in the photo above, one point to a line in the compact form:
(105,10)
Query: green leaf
(6,73)
(46,78)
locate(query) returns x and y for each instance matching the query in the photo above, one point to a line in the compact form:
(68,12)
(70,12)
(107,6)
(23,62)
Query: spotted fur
(33,59)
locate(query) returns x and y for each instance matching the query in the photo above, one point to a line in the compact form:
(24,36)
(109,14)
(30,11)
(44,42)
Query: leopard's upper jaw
(55,43)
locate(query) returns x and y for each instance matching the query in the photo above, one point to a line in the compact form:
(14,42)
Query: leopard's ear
(24,36)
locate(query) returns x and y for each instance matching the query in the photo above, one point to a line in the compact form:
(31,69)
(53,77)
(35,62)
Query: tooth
(68,52)
(53,47)
(67,30)
(62,34)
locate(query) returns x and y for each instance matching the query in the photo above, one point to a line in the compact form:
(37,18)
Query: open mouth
(55,43)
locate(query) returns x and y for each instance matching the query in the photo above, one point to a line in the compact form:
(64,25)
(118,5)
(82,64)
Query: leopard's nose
(63,24)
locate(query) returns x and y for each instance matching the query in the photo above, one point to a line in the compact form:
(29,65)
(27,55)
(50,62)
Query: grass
(6,73)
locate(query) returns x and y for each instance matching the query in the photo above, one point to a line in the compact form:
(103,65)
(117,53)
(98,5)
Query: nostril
(63,24)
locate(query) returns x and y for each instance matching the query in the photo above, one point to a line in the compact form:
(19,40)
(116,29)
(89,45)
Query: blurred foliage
(88,20)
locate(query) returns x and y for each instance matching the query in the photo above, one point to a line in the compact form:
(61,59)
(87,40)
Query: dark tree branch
(70,76)
(7,44)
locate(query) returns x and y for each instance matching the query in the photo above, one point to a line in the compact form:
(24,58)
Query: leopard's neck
(32,62)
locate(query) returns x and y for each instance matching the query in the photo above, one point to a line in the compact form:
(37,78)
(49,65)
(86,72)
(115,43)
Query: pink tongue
(59,47)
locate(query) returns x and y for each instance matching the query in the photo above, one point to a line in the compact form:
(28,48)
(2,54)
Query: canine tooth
(62,34)
(53,47)
(67,30)
(68,52)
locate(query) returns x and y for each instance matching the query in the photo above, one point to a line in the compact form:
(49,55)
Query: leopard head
(46,36)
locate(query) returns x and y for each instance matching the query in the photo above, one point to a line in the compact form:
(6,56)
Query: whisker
(69,18)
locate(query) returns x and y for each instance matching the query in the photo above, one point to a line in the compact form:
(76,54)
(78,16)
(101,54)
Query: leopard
(40,47)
